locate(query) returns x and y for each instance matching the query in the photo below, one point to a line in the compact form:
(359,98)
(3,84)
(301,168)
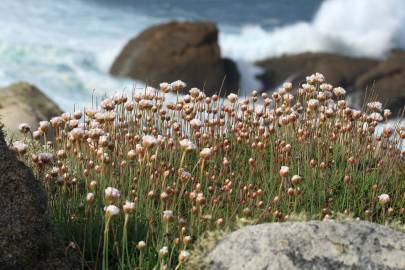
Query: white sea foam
(352,27)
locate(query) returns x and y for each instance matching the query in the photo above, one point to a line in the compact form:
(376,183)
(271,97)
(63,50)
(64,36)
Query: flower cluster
(180,168)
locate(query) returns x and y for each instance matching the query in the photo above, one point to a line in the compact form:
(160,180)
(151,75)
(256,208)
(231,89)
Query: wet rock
(310,245)
(186,51)
(27,239)
(339,70)
(386,82)
(23,102)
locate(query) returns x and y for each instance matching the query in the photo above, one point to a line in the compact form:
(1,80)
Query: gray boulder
(22,102)
(310,245)
(27,239)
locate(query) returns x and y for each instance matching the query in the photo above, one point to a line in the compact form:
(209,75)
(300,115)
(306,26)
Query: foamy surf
(368,28)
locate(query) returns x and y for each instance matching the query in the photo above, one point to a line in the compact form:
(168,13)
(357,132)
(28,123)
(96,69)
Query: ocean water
(66,47)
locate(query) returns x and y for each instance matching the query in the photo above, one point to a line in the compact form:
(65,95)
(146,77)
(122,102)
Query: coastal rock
(27,239)
(311,245)
(386,82)
(339,70)
(23,102)
(186,51)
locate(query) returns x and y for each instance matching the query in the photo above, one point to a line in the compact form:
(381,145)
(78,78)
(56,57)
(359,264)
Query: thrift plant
(132,184)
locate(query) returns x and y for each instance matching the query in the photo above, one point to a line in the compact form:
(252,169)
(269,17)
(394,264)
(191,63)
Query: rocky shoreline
(189,51)
(382,80)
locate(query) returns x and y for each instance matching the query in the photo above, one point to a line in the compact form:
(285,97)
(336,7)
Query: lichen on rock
(27,238)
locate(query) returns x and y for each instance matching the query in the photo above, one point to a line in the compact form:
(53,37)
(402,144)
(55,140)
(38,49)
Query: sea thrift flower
(37,134)
(164,251)
(24,128)
(178,86)
(128,207)
(131,154)
(45,158)
(150,93)
(111,210)
(315,78)
(167,215)
(112,193)
(232,97)
(93,185)
(120,98)
(195,123)
(76,134)
(107,104)
(219,222)
(44,126)
(89,112)
(184,256)
(65,116)
(165,87)
(20,147)
(284,171)
(375,106)
(375,116)
(103,140)
(205,153)
(73,123)
(313,104)
(77,115)
(287,86)
(141,245)
(296,179)
(187,145)
(129,106)
(384,199)
(339,91)
(326,87)
(145,104)
(288,97)
(164,196)
(56,121)
(194,92)
(187,240)
(148,141)
(341,104)
(90,198)
(387,113)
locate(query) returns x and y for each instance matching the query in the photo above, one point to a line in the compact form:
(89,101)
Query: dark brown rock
(186,51)
(386,81)
(27,239)
(338,70)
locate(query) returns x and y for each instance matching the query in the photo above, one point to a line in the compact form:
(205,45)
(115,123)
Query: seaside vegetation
(134,182)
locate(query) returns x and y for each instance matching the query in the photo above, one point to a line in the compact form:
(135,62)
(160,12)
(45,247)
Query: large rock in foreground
(27,239)
(338,70)
(24,103)
(187,51)
(386,81)
(310,245)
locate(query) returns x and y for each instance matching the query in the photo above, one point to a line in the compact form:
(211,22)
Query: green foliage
(228,173)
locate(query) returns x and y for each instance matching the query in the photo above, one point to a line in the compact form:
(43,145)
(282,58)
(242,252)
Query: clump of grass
(180,169)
